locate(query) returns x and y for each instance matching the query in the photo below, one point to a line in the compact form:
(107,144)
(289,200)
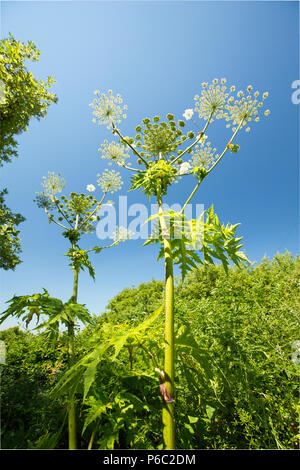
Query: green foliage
(134,304)
(205,236)
(245,393)
(156,178)
(159,139)
(9,235)
(56,311)
(236,384)
(24,97)
(28,413)
(79,259)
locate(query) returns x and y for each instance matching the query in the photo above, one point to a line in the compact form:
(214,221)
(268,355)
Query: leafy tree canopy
(22,96)
(9,235)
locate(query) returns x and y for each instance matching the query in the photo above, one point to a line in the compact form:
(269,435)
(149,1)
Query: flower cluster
(114,152)
(43,201)
(203,155)
(53,184)
(213,99)
(78,204)
(184,168)
(110,181)
(245,108)
(159,138)
(188,114)
(122,234)
(90,188)
(108,109)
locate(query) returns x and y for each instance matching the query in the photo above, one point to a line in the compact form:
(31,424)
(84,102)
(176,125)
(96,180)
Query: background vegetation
(237,385)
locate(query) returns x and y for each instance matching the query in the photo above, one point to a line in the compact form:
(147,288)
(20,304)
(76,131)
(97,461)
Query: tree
(9,239)
(22,97)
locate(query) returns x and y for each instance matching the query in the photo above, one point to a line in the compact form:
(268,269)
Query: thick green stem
(71,401)
(71,404)
(168,417)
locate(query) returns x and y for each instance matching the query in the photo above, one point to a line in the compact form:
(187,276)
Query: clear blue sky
(156,54)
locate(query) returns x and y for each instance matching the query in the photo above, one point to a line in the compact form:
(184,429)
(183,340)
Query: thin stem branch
(191,195)
(152,357)
(196,141)
(116,130)
(212,167)
(93,212)
(61,211)
(132,169)
(53,220)
(103,247)
(226,148)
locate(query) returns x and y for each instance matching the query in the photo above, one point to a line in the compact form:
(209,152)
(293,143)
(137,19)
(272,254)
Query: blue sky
(156,54)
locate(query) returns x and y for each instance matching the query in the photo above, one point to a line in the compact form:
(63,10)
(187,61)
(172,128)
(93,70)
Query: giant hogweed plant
(75,216)
(163,154)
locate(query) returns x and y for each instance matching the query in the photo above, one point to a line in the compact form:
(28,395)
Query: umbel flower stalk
(159,148)
(71,350)
(168,418)
(79,213)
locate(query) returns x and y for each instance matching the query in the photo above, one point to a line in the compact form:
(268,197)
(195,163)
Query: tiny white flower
(184,168)
(90,188)
(188,114)
(267,112)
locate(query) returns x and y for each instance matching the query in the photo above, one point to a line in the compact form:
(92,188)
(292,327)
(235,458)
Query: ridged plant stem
(71,401)
(168,415)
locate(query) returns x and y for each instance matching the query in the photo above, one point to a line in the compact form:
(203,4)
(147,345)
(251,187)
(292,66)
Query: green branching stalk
(87,219)
(61,211)
(161,140)
(200,135)
(71,337)
(55,221)
(168,418)
(211,168)
(226,148)
(116,130)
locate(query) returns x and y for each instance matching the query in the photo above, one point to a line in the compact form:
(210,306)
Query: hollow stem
(71,338)
(168,415)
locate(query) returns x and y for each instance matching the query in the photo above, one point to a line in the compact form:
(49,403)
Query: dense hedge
(237,385)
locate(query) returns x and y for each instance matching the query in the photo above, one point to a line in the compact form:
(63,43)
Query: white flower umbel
(114,152)
(203,155)
(108,109)
(110,181)
(53,184)
(212,101)
(245,109)
(90,188)
(188,114)
(122,234)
